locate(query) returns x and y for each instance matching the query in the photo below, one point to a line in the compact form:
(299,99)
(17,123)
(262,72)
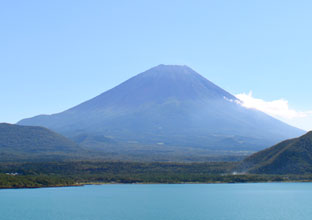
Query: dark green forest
(36,157)
(77,173)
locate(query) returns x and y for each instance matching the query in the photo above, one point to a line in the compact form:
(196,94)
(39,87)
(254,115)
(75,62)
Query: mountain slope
(169,105)
(31,142)
(293,156)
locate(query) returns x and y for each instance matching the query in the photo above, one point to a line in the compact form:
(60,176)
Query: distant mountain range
(293,156)
(168,105)
(28,142)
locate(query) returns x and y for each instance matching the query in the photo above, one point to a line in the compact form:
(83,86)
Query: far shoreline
(151,183)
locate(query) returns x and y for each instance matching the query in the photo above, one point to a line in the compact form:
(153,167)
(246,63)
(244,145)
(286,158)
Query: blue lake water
(263,201)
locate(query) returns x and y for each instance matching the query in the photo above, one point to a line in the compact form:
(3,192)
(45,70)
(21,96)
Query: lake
(263,201)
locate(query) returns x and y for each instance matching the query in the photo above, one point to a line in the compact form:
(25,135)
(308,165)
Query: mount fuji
(168,105)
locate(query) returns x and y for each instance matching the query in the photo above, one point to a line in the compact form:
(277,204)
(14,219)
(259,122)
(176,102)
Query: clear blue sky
(56,54)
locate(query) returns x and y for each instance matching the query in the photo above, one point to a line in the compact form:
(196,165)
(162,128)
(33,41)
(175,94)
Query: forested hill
(293,156)
(30,142)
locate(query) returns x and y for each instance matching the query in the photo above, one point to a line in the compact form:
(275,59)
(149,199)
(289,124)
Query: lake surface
(263,201)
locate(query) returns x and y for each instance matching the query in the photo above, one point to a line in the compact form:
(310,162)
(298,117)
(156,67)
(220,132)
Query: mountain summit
(158,85)
(169,105)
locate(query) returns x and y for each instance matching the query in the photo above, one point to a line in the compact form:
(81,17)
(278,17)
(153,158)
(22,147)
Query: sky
(57,54)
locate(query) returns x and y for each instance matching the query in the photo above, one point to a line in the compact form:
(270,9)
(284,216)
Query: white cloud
(277,108)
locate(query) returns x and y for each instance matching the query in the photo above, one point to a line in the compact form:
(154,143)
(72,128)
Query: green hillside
(28,142)
(292,156)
